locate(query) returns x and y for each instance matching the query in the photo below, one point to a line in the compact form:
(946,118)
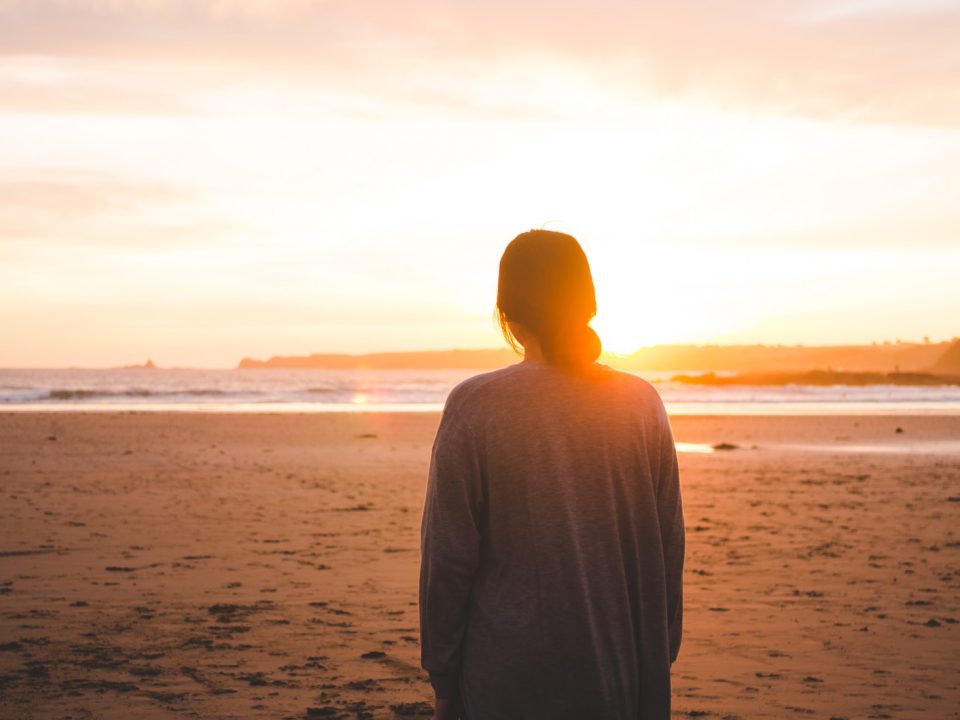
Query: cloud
(885,61)
(77,192)
(49,85)
(65,207)
(830,10)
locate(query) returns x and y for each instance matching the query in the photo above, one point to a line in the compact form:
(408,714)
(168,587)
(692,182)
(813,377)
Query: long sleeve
(670,511)
(450,550)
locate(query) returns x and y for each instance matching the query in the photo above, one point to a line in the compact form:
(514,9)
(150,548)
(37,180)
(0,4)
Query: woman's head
(546,287)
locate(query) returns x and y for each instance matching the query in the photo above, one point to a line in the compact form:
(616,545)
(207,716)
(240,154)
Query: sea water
(271,390)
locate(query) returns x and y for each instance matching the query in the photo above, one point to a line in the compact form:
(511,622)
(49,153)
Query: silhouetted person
(552,536)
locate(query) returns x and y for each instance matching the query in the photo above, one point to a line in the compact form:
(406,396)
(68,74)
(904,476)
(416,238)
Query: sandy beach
(156,565)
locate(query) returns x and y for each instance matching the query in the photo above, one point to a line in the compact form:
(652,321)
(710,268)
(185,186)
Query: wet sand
(157,564)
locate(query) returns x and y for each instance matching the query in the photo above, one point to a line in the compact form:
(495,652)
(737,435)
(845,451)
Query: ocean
(190,390)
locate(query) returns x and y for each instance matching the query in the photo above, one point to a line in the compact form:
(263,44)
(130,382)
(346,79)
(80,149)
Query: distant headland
(421,360)
(821,378)
(940,358)
(148,365)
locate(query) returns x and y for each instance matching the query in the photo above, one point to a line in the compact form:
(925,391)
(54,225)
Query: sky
(197,182)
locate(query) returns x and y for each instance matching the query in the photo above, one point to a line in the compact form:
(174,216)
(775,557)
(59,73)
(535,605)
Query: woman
(552,535)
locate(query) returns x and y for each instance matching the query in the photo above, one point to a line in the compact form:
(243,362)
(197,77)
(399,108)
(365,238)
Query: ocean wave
(110,389)
(88,394)
(83,394)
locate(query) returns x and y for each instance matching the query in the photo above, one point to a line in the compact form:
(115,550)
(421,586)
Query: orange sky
(200,181)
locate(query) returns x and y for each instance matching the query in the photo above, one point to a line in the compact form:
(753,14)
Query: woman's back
(553,546)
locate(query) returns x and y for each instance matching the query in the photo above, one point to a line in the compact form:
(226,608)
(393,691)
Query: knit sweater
(552,547)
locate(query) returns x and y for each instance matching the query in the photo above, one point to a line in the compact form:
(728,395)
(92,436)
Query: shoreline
(674,409)
(932,433)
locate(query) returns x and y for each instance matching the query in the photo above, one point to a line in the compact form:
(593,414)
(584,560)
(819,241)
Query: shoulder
(476,391)
(639,395)
(485,394)
(635,385)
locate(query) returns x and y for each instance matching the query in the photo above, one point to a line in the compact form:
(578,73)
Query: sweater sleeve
(449,551)
(670,511)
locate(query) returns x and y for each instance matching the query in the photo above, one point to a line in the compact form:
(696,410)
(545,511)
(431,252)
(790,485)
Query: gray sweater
(552,547)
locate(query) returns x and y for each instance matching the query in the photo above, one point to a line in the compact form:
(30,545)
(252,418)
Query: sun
(628,318)
(621,336)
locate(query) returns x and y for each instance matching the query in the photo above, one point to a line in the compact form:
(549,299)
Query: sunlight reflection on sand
(926,447)
(688,447)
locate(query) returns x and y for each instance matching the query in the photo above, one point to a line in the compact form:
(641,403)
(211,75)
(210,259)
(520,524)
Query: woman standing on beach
(552,535)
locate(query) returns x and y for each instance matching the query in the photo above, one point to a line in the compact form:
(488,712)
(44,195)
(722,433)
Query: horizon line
(235,366)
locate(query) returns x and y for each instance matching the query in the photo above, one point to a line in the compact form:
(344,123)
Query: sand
(155,565)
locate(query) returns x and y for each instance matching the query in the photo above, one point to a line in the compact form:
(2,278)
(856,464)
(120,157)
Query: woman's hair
(545,284)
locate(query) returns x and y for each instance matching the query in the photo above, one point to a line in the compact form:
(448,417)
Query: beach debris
(373,655)
(725,446)
(899,430)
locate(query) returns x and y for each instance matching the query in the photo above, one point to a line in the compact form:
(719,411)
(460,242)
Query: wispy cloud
(59,85)
(878,61)
(832,10)
(70,208)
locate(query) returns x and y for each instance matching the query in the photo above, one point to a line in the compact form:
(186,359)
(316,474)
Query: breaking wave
(81,394)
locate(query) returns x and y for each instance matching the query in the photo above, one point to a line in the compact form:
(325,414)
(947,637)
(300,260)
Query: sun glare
(626,327)
(629,313)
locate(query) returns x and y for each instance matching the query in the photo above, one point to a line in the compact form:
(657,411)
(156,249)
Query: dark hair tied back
(545,283)
(571,346)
